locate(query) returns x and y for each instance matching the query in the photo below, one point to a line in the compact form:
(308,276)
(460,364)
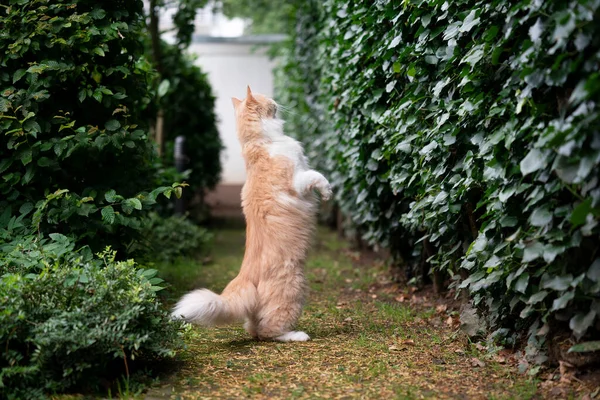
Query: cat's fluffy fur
(280,206)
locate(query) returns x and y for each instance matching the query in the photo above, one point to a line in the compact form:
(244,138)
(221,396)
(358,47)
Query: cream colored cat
(280,210)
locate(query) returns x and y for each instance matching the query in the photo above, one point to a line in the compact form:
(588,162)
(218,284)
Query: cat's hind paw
(293,336)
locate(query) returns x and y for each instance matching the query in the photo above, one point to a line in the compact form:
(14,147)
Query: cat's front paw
(326,192)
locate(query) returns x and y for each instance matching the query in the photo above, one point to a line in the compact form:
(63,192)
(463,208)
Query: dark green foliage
(188,107)
(72,89)
(170,238)
(70,319)
(463,133)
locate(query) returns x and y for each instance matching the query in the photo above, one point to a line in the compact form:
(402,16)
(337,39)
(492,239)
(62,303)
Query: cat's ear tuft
(249,93)
(236,102)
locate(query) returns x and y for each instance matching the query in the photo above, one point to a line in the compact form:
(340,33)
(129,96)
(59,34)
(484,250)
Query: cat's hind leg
(280,308)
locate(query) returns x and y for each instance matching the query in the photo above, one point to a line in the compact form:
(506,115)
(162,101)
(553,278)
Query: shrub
(68,317)
(189,111)
(170,238)
(73,87)
(464,133)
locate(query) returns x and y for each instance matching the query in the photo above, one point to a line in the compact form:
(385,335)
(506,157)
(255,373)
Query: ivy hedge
(465,134)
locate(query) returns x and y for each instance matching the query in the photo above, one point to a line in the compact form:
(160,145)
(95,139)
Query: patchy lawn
(370,339)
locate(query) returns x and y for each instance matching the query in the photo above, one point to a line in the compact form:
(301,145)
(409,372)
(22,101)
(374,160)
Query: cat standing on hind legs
(280,208)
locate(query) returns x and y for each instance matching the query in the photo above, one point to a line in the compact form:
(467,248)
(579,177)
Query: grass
(364,343)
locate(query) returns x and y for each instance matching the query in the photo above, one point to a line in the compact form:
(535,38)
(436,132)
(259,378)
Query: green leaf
(26,208)
(110,196)
(522,282)
(108,215)
(163,88)
(112,125)
(4,105)
(541,216)
(44,162)
(18,75)
(585,347)
(134,203)
(593,272)
(562,301)
(5,163)
(149,273)
(533,161)
(178,192)
(81,96)
(26,156)
(558,283)
(99,51)
(580,213)
(98,13)
(580,323)
(537,297)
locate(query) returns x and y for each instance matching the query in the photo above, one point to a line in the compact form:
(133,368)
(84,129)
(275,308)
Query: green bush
(189,111)
(170,238)
(464,133)
(70,319)
(73,85)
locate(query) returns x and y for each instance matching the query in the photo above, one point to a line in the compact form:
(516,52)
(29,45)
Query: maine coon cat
(280,207)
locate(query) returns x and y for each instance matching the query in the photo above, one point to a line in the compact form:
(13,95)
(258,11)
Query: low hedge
(465,134)
(70,320)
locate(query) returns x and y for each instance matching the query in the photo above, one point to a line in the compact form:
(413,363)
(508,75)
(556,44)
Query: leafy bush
(170,238)
(464,133)
(73,87)
(188,107)
(68,317)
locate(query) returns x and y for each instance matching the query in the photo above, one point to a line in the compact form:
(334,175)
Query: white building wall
(231,67)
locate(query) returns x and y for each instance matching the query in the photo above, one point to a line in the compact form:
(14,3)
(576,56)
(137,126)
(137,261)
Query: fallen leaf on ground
(476,362)
(441,308)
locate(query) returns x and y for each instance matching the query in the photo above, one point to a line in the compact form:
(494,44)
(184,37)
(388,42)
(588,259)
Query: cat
(280,205)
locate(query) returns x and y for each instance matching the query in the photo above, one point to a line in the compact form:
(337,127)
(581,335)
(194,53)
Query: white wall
(230,68)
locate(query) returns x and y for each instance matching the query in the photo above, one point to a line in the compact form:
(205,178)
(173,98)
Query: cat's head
(254,107)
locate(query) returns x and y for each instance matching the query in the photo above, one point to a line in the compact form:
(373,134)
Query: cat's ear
(236,102)
(249,93)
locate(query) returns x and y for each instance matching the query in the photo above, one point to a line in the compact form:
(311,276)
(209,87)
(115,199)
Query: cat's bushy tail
(204,307)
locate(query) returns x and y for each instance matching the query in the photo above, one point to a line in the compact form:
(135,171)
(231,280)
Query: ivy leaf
(108,215)
(558,283)
(469,22)
(580,323)
(579,214)
(533,161)
(594,271)
(585,347)
(395,42)
(562,301)
(541,216)
(522,282)
(537,297)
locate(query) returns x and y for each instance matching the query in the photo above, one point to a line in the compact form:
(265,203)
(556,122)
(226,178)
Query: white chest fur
(282,145)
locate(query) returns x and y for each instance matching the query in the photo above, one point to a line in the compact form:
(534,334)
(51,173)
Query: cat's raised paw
(326,192)
(294,336)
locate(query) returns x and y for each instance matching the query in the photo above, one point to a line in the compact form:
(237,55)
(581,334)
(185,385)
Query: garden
(462,142)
